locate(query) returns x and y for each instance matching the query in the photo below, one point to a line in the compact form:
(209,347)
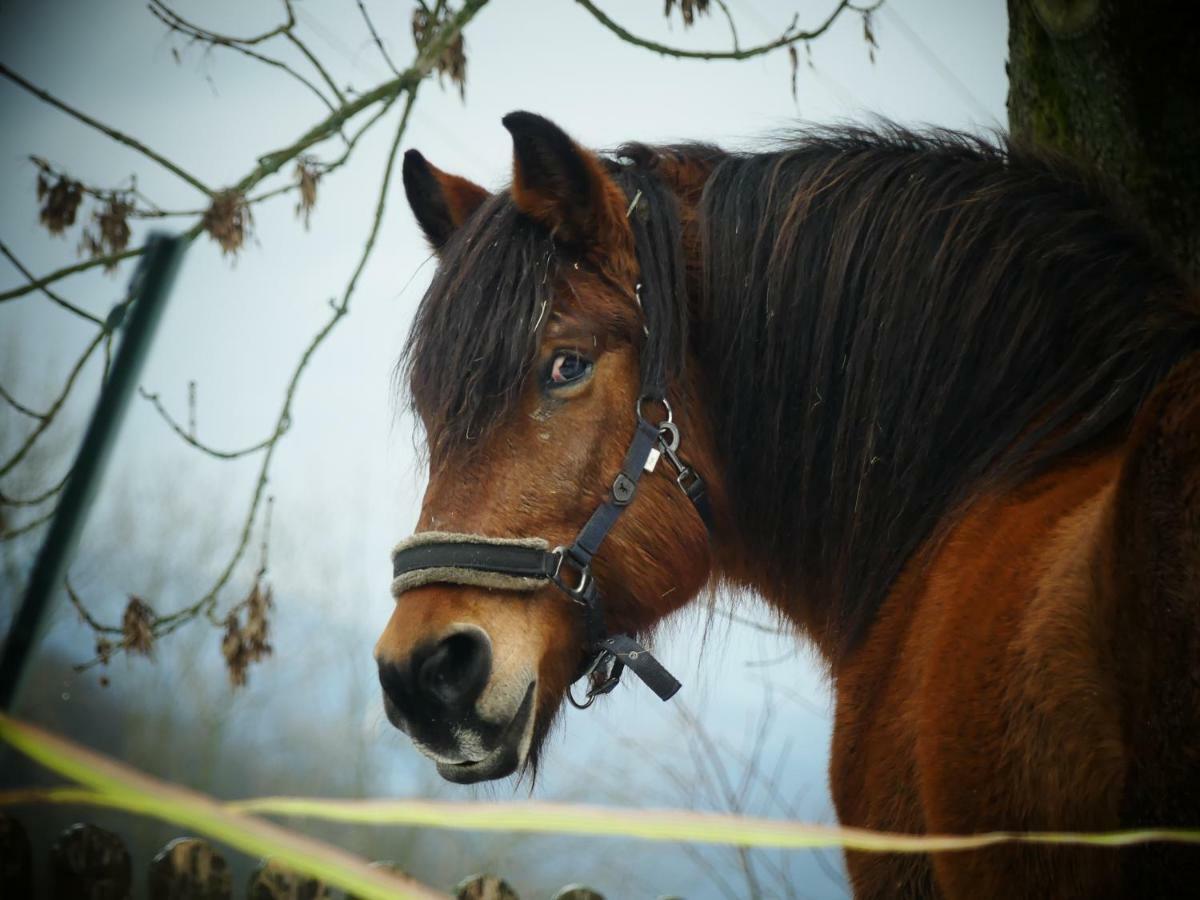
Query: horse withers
(933,399)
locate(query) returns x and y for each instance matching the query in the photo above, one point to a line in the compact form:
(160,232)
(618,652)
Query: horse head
(545,365)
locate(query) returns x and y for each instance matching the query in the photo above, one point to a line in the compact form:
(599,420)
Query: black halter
(570,567)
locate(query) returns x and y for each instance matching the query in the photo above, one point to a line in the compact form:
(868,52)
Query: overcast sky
(345,481)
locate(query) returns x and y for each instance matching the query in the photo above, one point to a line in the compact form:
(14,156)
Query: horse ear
(440,201)
(563,186)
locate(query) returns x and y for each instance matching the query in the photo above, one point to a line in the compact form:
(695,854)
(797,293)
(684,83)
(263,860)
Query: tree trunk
(1116,84)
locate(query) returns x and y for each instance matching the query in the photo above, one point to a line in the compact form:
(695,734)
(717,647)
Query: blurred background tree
(1114,84)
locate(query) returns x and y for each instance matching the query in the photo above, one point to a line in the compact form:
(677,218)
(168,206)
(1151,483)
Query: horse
(932,397)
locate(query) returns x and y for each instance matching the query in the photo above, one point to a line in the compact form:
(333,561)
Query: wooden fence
(86,862)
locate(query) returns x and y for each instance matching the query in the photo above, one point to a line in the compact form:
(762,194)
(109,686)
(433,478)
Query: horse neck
(857,385)
(738,563)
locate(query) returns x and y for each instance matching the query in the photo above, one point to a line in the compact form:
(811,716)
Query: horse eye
(566,368)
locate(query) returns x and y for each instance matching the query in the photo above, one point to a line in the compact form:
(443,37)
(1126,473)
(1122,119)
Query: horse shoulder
(982,697)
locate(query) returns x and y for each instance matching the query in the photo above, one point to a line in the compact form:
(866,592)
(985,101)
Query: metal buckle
(688,479)
(577,591)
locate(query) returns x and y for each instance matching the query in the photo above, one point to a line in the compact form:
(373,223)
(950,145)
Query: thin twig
(87,616)
(316,64)
(790,36)
(264,548)
(362,8)
(37,432)
(781,630)
(324,167)
(229,39)
(200,445)
(311,57)
(118,136)
(168,17)
(28,526)
(61,301)
(38,284)
(37,499)
(732,26)
(733,801)
(18,406)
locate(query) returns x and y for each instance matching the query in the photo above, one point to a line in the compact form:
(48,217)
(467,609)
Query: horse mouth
(508,754)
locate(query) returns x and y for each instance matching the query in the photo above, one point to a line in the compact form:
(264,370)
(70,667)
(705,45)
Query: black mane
(888,324)
(895,322)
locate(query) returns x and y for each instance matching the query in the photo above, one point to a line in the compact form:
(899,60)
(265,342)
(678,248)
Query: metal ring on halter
(663,400)
(590,697)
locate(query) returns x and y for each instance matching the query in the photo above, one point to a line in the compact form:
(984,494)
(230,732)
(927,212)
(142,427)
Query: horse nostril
(454,672)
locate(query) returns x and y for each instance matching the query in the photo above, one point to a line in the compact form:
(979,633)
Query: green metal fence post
(148,292)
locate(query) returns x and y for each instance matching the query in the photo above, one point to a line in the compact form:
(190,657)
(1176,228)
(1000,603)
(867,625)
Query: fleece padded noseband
(501,564)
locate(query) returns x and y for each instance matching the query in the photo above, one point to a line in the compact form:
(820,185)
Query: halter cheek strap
(526,564)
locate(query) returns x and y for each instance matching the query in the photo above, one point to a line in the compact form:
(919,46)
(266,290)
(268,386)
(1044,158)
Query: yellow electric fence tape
(111,784)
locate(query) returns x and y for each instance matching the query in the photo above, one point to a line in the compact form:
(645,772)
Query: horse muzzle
(444,697)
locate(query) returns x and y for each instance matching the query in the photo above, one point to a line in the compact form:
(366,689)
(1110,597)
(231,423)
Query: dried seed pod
(452,61)
(109,234)
(60,202)
(233,648)
(689,9)
(137,626)
(228,220)
(255,631)
(307,176)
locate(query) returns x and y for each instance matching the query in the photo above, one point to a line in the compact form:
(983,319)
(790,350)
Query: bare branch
(48,418)
(175,23)
(316,64)
(789,36)
(29,526)
(64,303)
(362,8)
(385,95)
(229,39)
(118,136)
(732,26)
(191,439)
(85,615)
(18,406)
(37,499)
(38,284)
(324,167)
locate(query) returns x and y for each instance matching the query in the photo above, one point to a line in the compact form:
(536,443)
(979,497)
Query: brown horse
(946,402)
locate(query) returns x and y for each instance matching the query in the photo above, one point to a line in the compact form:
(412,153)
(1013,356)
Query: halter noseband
(526,564)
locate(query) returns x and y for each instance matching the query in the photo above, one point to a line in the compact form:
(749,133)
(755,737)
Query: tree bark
(1116,84)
